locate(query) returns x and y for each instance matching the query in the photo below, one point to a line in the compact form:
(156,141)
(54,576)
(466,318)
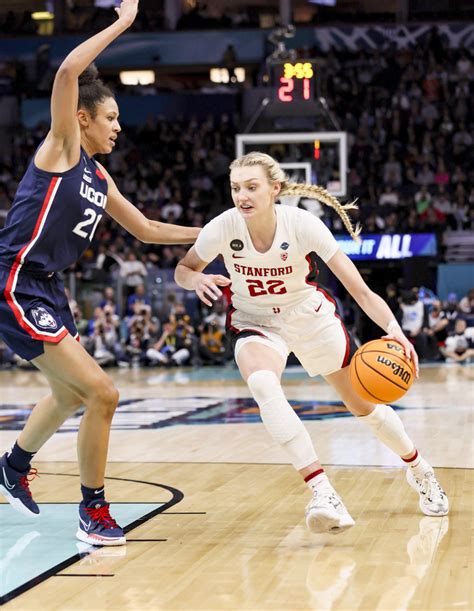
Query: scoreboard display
(294,82)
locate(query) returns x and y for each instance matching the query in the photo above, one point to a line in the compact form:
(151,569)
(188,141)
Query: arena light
(239,74)
(221,75)
(42,16)
(137,77)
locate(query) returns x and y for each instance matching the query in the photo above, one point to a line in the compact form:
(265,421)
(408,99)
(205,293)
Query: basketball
(381,372)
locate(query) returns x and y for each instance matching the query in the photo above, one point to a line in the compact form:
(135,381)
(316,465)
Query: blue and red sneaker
(15,487)
(96,526)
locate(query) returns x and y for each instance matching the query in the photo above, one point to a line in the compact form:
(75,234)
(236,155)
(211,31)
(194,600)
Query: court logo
(43,318)
(237,245)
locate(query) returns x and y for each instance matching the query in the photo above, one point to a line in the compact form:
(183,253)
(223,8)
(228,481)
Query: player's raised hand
(127,11)
(207,286)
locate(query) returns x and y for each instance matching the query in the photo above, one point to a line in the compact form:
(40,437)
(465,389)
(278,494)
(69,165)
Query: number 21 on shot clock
(294,81)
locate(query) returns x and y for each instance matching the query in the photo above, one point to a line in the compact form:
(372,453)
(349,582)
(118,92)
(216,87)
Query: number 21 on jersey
(91,222)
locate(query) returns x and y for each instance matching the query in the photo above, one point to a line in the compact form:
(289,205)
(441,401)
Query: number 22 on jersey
(270,287)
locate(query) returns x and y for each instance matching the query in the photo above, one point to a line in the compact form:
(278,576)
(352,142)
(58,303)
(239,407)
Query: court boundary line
(177,497)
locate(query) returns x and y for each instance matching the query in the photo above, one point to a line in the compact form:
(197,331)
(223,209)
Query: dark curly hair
(92,90)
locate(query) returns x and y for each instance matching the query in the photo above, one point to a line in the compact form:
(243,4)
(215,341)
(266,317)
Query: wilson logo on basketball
(397,369)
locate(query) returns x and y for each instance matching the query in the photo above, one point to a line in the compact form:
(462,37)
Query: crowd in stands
(439,330)
(86,17)
(409,117)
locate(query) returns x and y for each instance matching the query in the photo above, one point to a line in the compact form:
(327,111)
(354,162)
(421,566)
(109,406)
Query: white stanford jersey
(278,279)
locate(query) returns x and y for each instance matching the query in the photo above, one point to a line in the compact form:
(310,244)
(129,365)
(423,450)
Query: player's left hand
(127,11)
(398,335)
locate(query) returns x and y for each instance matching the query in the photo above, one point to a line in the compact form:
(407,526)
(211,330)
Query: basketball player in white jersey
(277,307)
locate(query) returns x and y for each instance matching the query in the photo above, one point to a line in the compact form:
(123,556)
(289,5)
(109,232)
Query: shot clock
(294,82)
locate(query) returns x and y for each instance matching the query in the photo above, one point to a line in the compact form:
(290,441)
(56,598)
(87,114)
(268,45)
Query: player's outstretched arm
(65,87)
(371,303)
(188,274)
(136,223)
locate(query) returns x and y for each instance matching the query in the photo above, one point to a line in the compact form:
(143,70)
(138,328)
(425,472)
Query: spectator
(133,272)
(460,345)
(176,344)
(212,344)
(435,330)
(422,199)
(139,297)
(466,306)
(108,299)
(389,196)
(414,321)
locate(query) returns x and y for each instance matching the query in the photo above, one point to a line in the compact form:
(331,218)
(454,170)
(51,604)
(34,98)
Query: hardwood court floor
(237,539)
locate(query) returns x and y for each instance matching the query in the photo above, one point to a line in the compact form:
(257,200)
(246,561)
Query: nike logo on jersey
(93,196)
(318,308)
(87,176)
(234,256)
(7,483)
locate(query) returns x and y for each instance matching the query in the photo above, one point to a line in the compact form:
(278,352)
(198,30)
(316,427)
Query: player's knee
(264,386)
(355,404)
(67,405)
(359,406)
(105,396)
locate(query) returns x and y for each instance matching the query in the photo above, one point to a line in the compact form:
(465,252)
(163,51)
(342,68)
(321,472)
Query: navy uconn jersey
(53,217)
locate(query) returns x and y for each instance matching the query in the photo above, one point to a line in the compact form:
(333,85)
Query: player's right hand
(207,286)
(127,11)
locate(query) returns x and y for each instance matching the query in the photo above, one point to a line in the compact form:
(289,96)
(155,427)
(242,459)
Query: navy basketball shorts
(313,331)
(33,309)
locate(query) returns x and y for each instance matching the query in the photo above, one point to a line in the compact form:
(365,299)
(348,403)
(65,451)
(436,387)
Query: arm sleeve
(209,242)
(314,236)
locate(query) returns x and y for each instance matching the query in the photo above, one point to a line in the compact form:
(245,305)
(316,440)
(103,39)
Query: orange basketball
(380,371)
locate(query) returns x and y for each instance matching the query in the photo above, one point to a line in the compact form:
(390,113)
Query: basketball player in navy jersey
(55,213)
(278,307)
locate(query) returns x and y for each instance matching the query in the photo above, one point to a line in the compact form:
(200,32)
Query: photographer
(435,330)
(105,345)
(142,331)
(176,344)
(460,345)
(212,344)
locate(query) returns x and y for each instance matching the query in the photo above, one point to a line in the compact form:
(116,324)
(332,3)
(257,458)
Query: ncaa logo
(43,318)
(237,245)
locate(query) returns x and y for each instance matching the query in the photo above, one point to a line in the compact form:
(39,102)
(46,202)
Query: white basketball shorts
(313,331)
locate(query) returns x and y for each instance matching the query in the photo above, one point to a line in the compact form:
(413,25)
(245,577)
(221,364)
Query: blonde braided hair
(275,174)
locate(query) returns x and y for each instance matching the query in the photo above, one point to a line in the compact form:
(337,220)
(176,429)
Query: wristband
(391,325)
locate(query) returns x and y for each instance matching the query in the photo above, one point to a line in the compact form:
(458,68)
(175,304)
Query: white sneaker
(326,512)
(433,499)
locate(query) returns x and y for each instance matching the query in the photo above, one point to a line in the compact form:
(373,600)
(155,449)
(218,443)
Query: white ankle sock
(420,467)
(316,481)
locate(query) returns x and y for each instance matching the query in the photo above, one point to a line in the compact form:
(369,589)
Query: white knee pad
(388,427)
(280,419)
